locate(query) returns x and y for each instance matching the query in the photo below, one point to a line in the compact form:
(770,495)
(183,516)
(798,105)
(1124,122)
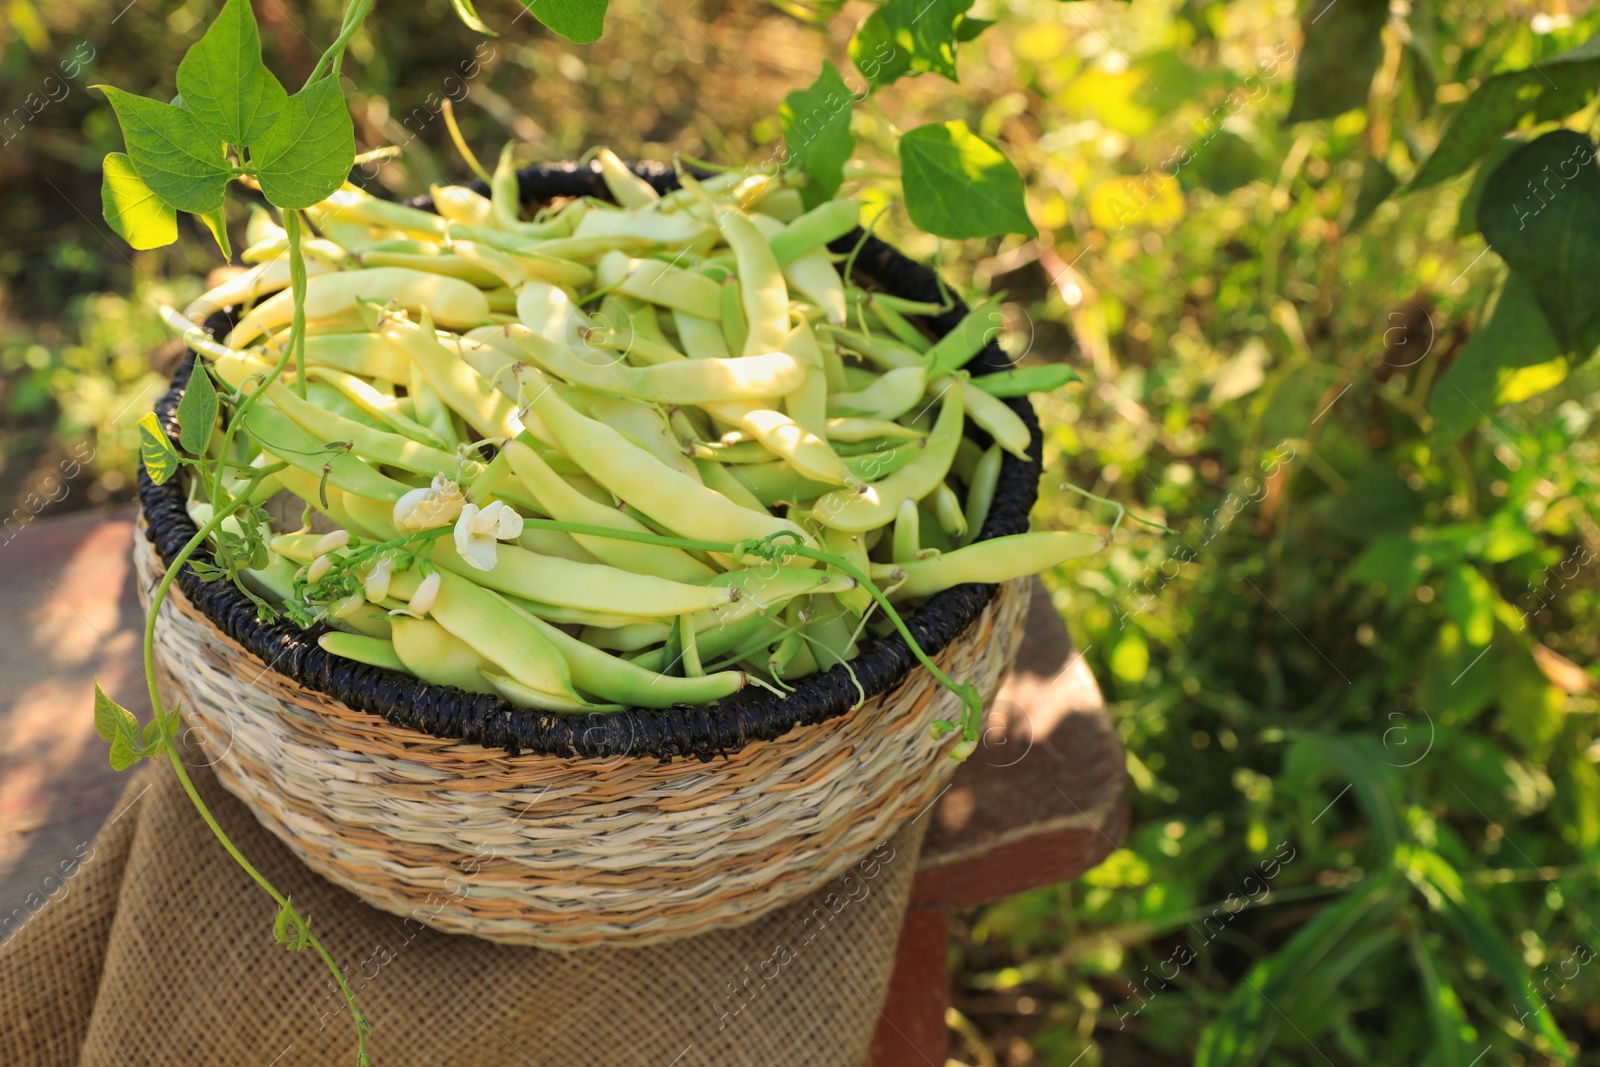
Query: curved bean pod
(1020,381)
(626,187)
(457,203)
(764,295)
(818,227)
(891,396)
(486,409)
(504,636)
(875,504)
(980,489)
(381,406)
(676,501)
(370,650)
(701,338)
(661,283)
(998,559)
(991,413)
(435,655)
(450,301)
(365,354)
(279,435)
(786,438)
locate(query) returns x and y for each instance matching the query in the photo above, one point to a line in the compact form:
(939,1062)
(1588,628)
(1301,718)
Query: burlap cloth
(161,952)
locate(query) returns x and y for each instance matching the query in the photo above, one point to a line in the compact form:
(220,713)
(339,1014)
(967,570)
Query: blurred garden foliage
(1356,683)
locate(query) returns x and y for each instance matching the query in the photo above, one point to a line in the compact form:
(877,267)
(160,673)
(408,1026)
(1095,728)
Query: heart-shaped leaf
(172,151)
(1553,89)
(1540,210)
(223,81)
(139,216)
(959,185)
(116,724)
(160,459)
(1511,338)
(910,37)
(197,411)
(579,21)
(308,152)
(816,133)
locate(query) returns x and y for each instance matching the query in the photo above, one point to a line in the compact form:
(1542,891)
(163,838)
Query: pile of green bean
(612,455)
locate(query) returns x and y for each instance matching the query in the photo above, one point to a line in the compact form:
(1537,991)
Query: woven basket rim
(701,731)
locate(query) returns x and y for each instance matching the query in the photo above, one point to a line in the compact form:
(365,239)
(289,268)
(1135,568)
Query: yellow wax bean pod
(811,273)
(351,205)
(763,293)
(644,425)
(785,205)
(589,586)
(567,504)
(772,483)
(363,649)
(728,482)
(487,410)
(523,265)
(875,504)
(310,488)
(957,348)
(991,413)
(457,203)
(734,331)
(550,311)
(427,407)
(700,338)
(504,636)
(661,283)
(980,489)
(851,429)
(947,509)
(278,434)
(907,543)
(808,453)
(449,301)
(262,226)
(446,263)
(626,187)
(677,502)
(437,656)
(584,250)
(807,405)
(363,354)
(372,445)
(818,227)
(317,248)
(853,547)
(555,543)
(998,559)
(682,382)
(663,229)
(248,287)
(610,678)
(381,406)
(524,696)
(554,613)
(762,590)
(891,396)
(886,353)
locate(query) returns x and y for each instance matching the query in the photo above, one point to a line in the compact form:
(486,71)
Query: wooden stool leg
(911,1031)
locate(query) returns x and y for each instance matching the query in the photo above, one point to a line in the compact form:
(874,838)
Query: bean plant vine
(233,121)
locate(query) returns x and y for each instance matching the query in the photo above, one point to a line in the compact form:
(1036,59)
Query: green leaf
(1468,918)
(1312,964)
(1513,336)
(1343,45)
(160,459)
(968,28)
(1541,212)
(1469,600)
(197,411)
(816,133)
(1551,90)
(308,152)
(909,37)
(1467,210)
(217,222)
(172,151)
(139,216)
(1377,183)
(116,724)
(223,81)
(579,21)
(958,184)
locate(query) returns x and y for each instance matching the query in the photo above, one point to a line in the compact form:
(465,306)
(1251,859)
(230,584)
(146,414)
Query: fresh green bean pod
(763,292)
(568,505)
(560,616)
(505,193)
(980,489)
(381,406)
(895,323)
(853,429)
(730,483)
(310,488)
(735,331)
(457,203)
(853,547)
(660,283)
(676,501)
(778,482)
(520,266)
(991,413)
(715,640)
(1020,381)
(785,205)
(626,187)
(364,354)
(370,650)
(428,408)
(877,503)
(669,231)
(831,633)
(644,425)
(807,452)
(504,636)
(888,354)
(998,559)
(907,532)
(449,301)
(891,396)
(248,287)
(957,348)
(279,435)
(818,227)
(487,410)
(352,205)
(947,509)
(701,338)
(437,656)
(814,275)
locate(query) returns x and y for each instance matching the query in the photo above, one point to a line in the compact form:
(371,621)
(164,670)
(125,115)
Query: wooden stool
(1041,801)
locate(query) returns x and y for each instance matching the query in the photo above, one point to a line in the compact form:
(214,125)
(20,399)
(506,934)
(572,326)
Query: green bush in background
(1356,685)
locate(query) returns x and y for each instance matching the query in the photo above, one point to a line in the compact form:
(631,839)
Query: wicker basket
(574,831)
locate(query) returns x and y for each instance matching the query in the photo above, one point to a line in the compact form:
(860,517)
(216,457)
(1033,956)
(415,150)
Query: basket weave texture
(550,851)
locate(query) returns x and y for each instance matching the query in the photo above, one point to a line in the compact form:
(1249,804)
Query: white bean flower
(375,582)
(434,505)
(478,529)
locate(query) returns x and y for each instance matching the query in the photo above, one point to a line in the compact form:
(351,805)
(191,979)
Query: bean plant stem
(297,281)
(176,760)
